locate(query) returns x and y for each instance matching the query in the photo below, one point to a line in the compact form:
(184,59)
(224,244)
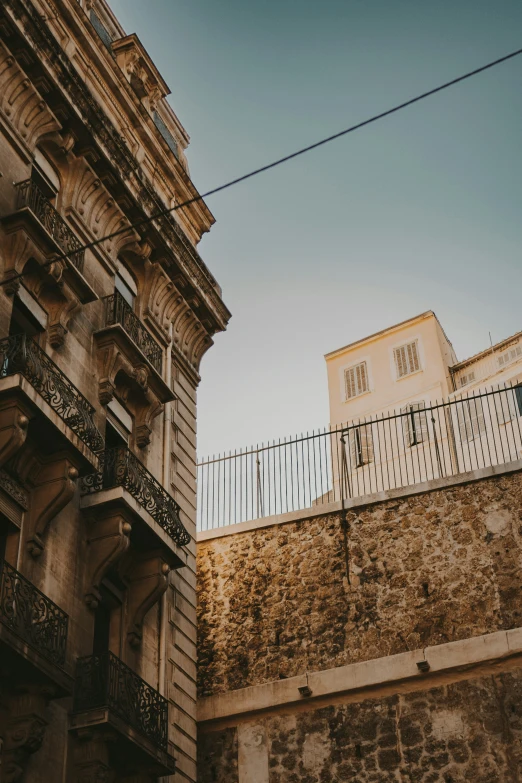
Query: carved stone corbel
(14,421)
(23,731)
(147,579)
(129,383)
(54,482)
(108,540)
(91,757)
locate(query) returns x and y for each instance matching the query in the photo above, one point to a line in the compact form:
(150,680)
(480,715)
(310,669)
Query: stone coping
(363,676)
(365,500)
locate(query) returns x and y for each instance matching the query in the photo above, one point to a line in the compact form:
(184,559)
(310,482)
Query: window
(468,378)
(509,356)
(361,446)
(414,423)
(165,132)
(505,404)
(101,29)
(470,416)
(356,380)
(407,359)
(125,290)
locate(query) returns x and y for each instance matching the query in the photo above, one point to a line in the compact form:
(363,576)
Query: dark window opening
(113,437)
(23,321)
(102,629)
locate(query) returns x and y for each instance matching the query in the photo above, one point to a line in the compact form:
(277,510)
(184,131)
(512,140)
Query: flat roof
(427,314)
(492,349)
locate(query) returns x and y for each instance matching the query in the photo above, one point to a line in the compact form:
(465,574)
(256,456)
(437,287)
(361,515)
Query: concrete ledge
(365,500)
(366,675)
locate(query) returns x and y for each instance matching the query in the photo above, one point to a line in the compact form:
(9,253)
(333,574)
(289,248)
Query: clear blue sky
(420,211)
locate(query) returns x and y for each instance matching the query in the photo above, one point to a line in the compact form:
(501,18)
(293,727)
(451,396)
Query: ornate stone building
(100,346)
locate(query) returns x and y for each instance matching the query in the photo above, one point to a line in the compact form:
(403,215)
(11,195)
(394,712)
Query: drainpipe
(167,428)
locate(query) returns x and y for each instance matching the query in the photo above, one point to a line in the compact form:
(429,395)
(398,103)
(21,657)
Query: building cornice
(124,166)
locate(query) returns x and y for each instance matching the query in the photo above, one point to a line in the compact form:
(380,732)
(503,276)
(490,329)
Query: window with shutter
(356,380)
(361,446)
(465,379)
(414,423)
(407,359)
(470,416)
(505,405)
(510,356)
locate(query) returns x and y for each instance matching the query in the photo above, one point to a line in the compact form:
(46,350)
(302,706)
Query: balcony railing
(118,311)
(375,454)
(120,468)
(28,613)
(20,354)
(30,196)
(105,681)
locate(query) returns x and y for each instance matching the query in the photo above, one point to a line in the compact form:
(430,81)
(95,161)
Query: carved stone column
(14,421)
(23,731)
(147,578)
(108,540)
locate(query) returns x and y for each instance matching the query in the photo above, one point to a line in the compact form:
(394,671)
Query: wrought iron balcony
(33,617)
(20,354)
(118,311)
(120,468)
(103,681)
(30,196)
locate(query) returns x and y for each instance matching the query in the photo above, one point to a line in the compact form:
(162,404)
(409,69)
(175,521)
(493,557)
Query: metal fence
(418,443)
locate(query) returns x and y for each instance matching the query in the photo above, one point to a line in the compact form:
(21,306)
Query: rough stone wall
(466,731)
(396,575)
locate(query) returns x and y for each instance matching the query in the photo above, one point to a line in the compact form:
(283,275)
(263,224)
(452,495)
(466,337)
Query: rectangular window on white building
(470,416)
(414,423)
(361,446)
(407,359)
(510,355)
(356,380)
(468,378)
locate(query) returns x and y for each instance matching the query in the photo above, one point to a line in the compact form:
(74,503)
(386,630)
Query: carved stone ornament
(147,580)
(53,482)
(124,375)
(91,757)
(108,540)
(21,103)
(139,70)
(23,730)
(14,422)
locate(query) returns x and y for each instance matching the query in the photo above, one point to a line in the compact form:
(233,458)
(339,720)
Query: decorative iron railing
(30,196)
(32,616)
(118,311)
(105,681)
(398,449)
(20,354)
(120,468)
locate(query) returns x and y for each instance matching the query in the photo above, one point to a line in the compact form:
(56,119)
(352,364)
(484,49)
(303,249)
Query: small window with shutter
(414,423)
(361,446)
(470,416)
(407,359)
(356,380)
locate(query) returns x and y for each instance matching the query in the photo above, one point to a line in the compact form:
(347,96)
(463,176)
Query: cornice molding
(124,164)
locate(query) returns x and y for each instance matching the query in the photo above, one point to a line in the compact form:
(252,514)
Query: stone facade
(466,731)
(100,348)
(383,586)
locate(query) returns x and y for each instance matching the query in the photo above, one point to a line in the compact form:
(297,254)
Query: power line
(278,162)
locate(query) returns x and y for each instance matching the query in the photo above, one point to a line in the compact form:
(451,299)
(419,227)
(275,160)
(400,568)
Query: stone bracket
(128,381)
(54,483)
(23,730)
(147,579)
(108,541)
(14,421)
